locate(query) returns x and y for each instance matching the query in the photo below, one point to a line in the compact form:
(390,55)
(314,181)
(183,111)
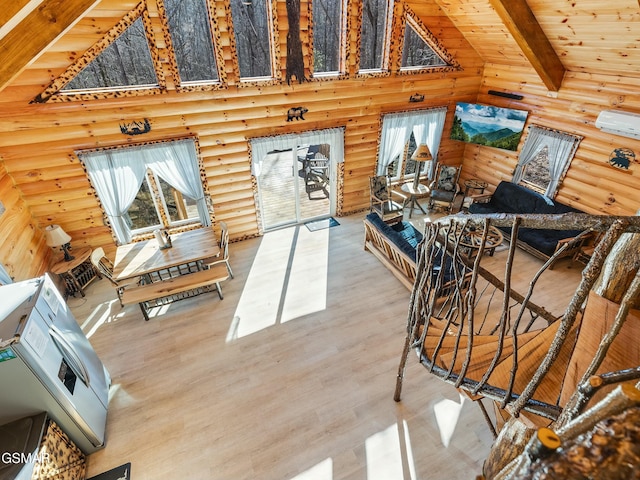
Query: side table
(474,184)
(414,193)
(76,273)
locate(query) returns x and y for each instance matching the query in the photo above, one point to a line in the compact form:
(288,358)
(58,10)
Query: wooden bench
(165,291)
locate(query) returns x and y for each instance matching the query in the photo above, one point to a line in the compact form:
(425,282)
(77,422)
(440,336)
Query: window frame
(384,68)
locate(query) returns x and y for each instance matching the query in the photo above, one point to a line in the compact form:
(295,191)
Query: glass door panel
(294,185)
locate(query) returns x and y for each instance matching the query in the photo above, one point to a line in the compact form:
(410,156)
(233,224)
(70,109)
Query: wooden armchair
(381,200)
(445,188)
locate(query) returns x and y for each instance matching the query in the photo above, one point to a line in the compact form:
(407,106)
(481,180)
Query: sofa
(512,198)
(396,247)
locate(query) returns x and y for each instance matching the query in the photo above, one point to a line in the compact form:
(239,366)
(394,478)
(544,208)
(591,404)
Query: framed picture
(488,125)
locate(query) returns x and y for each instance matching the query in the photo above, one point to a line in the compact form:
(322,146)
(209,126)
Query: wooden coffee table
(471,239)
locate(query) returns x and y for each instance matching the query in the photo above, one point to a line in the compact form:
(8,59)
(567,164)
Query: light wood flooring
(290,376)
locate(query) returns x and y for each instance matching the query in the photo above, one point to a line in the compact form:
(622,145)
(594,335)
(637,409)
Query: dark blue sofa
(511,198)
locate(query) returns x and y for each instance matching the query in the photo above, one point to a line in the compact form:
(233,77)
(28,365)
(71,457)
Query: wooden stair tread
(529,357)
(482,355)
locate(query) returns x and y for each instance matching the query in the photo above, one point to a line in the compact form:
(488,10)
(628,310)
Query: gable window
(328,35)
(189,25)
(400,136)
(125,63)
(251,27)
(146,187)
(416,52)
(545,159)
(373,38)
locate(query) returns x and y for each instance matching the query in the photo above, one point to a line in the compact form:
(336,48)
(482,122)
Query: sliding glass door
(296,177)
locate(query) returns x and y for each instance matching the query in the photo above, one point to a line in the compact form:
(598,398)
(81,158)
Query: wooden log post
(295,62)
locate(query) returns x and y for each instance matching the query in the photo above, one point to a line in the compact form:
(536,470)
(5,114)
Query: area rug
(322,224)
(123,472)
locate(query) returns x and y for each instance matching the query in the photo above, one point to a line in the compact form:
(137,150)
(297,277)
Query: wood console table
(76,273)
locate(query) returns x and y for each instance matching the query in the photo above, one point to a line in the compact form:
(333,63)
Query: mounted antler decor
(135,127)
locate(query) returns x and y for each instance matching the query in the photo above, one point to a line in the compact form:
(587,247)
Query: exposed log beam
(35,32)
(519,19)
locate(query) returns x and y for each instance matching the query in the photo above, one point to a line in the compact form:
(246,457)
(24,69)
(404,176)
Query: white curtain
(561,148)
(396,130)
(536,141)
(427,127)
(176,163)
(260,147)
(116,175)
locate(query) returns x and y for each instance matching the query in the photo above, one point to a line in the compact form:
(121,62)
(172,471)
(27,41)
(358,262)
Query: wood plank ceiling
(594,36)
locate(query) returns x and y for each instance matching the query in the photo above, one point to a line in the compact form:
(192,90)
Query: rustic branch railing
(486,357)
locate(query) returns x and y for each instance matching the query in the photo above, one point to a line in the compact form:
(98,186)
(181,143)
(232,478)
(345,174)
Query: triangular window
(125,63)
(417,51)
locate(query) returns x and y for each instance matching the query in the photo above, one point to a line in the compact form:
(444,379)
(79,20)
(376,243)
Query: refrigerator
(48,365)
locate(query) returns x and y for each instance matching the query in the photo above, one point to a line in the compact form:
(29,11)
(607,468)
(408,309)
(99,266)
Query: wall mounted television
(488,125)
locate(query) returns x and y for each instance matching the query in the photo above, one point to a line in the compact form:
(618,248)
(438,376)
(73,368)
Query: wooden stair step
(482,355)
(529,357)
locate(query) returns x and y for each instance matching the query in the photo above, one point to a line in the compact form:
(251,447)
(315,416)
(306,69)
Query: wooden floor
(290,376)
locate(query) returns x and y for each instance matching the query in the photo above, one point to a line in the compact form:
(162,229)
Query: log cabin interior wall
(42,181)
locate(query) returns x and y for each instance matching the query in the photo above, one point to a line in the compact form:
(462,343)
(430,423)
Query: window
(159,205)
(125,63)
(251,28)
(190,30)
(403,166)
(149,186)
(544,159)
(400,136)
(375,23)
(416,52)
(536,173)
(327,35)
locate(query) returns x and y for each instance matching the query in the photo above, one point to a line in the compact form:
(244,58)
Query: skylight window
(125,63)
(327,35)
(191,37)
(417,52)
(373,39)
(251,27)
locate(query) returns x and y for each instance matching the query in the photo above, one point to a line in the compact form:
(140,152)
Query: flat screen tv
(488,125)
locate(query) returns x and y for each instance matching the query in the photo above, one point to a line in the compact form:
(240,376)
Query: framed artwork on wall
(488,125)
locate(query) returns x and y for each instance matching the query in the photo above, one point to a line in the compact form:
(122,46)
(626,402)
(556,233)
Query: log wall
(591,183)
(38,141)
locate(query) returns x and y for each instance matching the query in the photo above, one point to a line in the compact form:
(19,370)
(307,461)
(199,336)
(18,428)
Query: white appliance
(617,122)
(47,364)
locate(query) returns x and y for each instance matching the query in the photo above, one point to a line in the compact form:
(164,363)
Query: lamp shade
(422,154)
(56,236)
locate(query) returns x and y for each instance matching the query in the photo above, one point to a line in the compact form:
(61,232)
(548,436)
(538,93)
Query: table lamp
(421,154)
(57,237)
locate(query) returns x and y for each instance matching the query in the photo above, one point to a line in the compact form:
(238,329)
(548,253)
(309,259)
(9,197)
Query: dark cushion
(512,198)
(402,234)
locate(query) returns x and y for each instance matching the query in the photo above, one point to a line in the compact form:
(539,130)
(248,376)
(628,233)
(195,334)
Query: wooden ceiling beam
(520,21)
(35,32)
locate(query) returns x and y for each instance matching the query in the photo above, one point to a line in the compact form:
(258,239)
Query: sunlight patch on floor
(447,414)
(389,454)
(101,314)
(285,282)
(320,471)
(307,286)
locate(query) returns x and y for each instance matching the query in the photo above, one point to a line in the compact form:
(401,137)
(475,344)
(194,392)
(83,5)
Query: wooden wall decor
(295,62)
(136,127)
(622,158)
(296,113)
(416,98)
